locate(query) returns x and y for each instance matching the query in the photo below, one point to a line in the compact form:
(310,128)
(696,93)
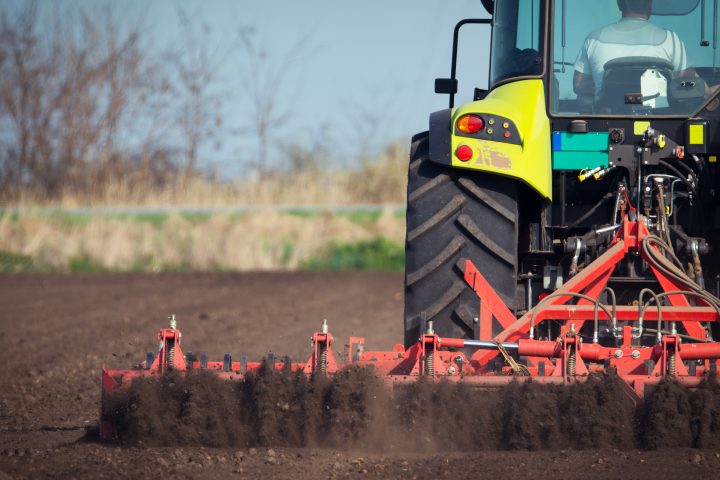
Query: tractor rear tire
(453,215)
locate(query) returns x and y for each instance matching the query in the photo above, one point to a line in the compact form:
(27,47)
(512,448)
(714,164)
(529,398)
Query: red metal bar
(491,303)
(669,285)
(590,274)
(627,313)
(593,290)
(696,351)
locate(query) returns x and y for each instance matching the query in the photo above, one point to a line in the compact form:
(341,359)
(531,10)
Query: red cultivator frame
(680,345)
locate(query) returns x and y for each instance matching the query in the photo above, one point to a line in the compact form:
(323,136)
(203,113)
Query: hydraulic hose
(691,186)
(614,313)
(641,314)
(671,267)
(563,294)
(592,210)
(702,295)
(687,168)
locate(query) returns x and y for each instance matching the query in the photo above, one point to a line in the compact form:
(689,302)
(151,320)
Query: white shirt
(630,37)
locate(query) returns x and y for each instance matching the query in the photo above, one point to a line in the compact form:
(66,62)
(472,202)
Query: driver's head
(635,7)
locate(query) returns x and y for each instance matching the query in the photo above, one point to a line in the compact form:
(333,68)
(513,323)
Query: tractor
(560,224)
(533,179)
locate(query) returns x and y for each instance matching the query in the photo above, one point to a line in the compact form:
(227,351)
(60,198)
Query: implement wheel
(453,215)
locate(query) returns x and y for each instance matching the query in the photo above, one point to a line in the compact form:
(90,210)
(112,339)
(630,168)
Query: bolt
(571,333)
(451,370)
(324,326)
(635,354)
(173,323)
(430,330)
(618,353)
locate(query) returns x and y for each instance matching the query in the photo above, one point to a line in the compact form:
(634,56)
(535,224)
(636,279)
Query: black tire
(453,215)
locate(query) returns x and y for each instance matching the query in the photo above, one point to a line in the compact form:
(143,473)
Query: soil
(57,330)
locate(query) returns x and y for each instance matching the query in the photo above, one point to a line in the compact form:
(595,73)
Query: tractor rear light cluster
(470,123)
(464,153)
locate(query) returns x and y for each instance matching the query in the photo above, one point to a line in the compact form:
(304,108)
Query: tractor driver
(632,36)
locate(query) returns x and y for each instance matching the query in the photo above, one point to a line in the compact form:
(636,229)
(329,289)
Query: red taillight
(470,123)
(464,153)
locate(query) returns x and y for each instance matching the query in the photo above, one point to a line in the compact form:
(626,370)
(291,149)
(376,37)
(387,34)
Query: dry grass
(260,240)
(263,237)
(380,181)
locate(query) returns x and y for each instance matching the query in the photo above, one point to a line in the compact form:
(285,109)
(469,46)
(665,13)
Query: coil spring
(672,363)
(571,361)
(322,358)
(170,355)
(429,363)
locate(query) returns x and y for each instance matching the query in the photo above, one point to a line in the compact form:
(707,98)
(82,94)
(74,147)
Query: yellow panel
(697,134)
(524,103)
(713,159)
(640,127)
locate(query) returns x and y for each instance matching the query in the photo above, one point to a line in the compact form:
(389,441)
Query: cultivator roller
(669,334)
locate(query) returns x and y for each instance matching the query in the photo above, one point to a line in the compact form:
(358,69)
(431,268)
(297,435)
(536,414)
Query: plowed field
(57,330)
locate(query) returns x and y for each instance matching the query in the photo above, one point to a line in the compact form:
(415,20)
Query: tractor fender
(440,140)
(519,146)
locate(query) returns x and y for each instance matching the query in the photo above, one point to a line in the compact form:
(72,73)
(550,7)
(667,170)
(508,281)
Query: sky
(366,73)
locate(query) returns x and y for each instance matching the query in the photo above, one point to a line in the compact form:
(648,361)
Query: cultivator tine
(203,361)
(356,347)
(190,360)
(243,364)
(227,362)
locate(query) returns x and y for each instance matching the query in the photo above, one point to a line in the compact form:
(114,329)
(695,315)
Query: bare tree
(23,72)
(66,91)
(85,100)
(198,69)
(265,81)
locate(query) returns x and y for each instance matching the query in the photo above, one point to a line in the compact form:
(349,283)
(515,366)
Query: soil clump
(354,409)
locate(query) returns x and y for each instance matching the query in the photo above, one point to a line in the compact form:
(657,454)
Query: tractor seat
(623,76)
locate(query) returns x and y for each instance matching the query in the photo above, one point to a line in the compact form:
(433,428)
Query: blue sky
(366,74)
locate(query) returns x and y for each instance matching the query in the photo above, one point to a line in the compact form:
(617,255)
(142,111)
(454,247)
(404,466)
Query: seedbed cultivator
(665,333)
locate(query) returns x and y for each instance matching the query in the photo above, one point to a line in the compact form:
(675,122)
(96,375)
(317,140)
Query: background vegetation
(110,146)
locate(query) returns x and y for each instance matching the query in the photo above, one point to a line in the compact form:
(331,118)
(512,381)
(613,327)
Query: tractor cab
(625,57)
(631,58)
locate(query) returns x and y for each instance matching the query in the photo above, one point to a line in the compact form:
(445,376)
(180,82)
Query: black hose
(678,174)
(692,173)
(592,210)
(674,272)
(684,166)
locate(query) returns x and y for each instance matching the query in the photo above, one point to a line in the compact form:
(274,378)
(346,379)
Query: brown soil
(57,330)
